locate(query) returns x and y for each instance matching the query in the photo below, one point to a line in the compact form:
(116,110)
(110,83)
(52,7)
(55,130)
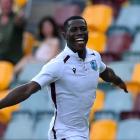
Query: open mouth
(80,40)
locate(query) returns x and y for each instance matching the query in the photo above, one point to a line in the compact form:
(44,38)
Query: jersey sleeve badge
(94,65)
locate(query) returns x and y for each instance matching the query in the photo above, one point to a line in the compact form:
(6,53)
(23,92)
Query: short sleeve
(102,64)
(50,72)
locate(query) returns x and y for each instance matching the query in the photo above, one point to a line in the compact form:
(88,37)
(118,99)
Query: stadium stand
(133,54)
(118,43)
(135,45)
(24,121)
(2,129)
(20,3)
(39,102)
(106,114)
(6,114)
(137,103)
(115,32)
(134,84)
(129,129)
(126,17)
(136,2)
(60,14)
(97,41)
(42,125)
(98,104)
(29,41)
(123,68)
(101,19)
(29,71)
(6,74)
(129,115)
(117,101)
(103,130)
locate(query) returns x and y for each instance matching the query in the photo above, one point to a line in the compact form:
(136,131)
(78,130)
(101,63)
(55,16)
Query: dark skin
(77,29)
(74,31)
(77,37)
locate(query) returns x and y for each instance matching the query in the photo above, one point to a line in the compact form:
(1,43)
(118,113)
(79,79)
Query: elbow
(31,88)
(108,75)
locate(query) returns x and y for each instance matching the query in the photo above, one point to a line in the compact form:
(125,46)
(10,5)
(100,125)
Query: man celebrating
(73,78)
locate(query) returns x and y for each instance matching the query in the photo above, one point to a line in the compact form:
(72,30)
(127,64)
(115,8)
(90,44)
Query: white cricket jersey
(73,84)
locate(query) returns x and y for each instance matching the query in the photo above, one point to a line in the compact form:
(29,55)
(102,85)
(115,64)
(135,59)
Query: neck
(82,54)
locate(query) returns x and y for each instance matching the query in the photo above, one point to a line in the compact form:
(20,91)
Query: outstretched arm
(109,76)
(19,94)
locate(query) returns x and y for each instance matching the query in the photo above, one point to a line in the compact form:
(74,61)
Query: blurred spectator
(49,44)
(50,40)
(11,30)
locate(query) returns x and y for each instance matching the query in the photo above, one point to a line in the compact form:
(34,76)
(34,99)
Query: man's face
(77,34)
(6,6)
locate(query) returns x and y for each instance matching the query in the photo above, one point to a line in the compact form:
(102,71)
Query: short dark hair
(72,18)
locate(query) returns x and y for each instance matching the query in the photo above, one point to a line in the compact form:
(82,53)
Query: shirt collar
(71,53)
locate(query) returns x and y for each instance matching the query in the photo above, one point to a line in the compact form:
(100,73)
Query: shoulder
(58,61)
(95,53)
(62,57)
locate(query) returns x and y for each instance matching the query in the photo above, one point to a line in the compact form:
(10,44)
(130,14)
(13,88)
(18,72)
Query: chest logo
(74,70)
(94,65)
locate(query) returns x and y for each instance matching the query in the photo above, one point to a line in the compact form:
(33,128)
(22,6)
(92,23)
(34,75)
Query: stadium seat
(29,42)
(6,74)
(134,84)
(2,129)
(29,71)
(65,11)
(129,115)
(81,3)
(97,41)
(105,114)
(115,4)
(136,73)
(20,3)
(114,29)
(137,103)
(136,2)
(98,17)
(120,2)
(123,69)
(118,43)
(109,57)
(103,130)
(108,2)
(42,125)
(6,114)
(117,101)
(40,101)
(129,17)
(135,45)
(98,104)
(133,53)
(128,130)
(20,127)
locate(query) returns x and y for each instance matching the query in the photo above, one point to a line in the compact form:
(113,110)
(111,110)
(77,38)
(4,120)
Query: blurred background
(30,35)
